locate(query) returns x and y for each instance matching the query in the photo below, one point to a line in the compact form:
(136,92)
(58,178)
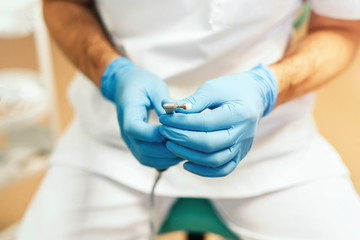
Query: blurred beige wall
(337,113)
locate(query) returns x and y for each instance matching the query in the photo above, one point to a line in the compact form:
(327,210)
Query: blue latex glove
(134,92)
(215,141)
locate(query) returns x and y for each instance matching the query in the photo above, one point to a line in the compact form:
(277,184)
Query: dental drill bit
(172,106)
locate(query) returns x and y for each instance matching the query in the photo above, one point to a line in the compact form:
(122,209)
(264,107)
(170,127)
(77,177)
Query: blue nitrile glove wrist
(134,92)
(108,80)
(267,80)
(214,142)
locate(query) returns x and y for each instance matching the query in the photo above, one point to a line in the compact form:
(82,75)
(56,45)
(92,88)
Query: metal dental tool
(172,106)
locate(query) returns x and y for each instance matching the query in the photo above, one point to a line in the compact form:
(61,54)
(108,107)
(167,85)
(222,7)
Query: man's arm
(77,29)
(75,26)
(324,53)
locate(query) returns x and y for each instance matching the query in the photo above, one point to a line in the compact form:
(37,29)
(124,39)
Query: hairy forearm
(75,27)
(323,54)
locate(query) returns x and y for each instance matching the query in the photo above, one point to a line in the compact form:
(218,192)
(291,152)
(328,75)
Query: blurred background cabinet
(29,120)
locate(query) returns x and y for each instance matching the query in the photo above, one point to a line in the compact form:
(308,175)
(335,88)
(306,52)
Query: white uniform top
(187,42)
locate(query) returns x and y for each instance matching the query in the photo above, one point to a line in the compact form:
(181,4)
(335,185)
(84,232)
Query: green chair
(195,216)
(198,216)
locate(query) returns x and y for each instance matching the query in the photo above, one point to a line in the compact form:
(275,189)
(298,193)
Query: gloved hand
(134,92)
(215,141)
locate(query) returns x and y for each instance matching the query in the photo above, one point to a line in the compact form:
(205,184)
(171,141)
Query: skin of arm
(325,52)
(77,30)
(75,26)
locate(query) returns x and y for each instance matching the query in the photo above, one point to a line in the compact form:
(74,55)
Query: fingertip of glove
(162,130)
(186,166)
(162,119)
(169,146)
(190,168)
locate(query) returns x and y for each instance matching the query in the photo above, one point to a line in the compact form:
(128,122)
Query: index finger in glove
(222,117)
(202,141)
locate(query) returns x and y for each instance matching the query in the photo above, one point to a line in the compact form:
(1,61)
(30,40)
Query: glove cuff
(268,83)
(109,79)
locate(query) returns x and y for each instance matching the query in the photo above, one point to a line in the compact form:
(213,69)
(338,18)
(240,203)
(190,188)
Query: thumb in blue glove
(215,141)
(134,92)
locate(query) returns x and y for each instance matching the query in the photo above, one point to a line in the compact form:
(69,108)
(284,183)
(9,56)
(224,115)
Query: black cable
(152,205)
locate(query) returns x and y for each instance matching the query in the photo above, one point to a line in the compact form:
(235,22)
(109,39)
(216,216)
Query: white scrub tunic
(186,43)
